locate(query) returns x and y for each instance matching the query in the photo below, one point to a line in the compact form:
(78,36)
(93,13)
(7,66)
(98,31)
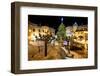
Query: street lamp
(45,36)
(69,35)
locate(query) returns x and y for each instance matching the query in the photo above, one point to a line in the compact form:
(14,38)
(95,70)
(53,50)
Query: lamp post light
(69,44)
(69,35)
(45,36)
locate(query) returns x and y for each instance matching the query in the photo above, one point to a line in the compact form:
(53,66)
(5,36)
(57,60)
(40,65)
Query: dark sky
(55,21)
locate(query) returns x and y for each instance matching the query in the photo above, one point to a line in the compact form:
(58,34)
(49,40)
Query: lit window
(29,30)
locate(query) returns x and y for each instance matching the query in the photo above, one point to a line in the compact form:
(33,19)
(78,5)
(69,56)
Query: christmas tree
(61,33)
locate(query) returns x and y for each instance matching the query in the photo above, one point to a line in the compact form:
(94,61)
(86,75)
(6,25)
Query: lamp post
(45,37)
(69,35)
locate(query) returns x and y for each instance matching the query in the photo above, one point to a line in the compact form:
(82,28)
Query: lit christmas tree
(61,33)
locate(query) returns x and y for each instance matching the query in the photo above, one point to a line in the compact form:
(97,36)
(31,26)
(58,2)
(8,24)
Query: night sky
(55,21)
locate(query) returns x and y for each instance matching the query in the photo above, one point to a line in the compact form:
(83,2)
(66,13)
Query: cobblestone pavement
(54,52)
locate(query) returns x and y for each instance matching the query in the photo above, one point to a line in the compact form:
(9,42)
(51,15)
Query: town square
(57,37)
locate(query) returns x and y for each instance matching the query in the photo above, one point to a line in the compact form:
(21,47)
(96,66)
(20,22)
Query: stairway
(68,56)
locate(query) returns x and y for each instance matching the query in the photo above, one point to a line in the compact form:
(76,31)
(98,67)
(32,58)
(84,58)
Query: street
(36,52)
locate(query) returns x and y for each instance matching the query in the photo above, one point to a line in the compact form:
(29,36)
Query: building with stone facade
(35,31)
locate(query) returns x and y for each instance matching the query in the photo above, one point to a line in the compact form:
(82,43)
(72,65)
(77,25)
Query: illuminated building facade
(35,31)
